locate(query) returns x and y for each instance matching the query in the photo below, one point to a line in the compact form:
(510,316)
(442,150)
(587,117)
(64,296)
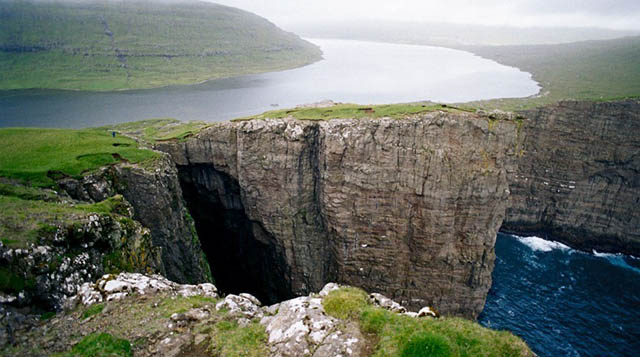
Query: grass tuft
(100,345)
(231,340)
(427,345)
(345,303)
(92,310)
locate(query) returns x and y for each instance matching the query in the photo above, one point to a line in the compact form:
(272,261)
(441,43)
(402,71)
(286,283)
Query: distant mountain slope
(597,70)
(110,45)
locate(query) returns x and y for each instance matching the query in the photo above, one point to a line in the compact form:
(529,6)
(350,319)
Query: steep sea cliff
(578,178)
(408,207)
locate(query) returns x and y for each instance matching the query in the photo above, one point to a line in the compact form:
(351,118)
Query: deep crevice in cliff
(243,256)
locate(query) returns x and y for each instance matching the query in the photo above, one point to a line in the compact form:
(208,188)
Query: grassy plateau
(108,45)
(38,156)
(354,111)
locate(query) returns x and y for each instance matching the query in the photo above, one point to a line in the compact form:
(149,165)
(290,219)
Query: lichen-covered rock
(241,305)
(115,287)
(405,207)
(302,328)
(75,253)
(386,303)
(578,176)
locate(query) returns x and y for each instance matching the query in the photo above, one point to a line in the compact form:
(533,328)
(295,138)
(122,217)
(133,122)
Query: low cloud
(615,14)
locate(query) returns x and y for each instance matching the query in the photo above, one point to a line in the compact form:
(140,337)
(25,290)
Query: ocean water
(564,302)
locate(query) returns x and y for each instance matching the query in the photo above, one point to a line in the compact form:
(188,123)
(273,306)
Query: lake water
(563,302)
(352,71)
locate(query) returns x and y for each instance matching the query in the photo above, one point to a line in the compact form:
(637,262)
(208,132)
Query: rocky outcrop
(296,327)
(409,208)
(578,176)
(70,254)
(112,287)
(155,195)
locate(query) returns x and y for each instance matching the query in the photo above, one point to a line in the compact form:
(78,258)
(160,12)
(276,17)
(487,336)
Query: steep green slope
(107,45)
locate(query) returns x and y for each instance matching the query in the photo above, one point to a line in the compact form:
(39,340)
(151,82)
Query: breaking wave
(541,245)
(538,244)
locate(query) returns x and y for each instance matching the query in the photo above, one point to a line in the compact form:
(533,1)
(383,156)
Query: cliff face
(155,195)
(409,208)
(578,177)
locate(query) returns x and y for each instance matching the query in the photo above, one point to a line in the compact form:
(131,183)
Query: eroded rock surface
(578,176)
(409,208)
(302,328)
(75,253)
(155,195)
(115,287)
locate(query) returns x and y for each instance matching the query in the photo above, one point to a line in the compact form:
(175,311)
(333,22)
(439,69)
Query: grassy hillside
(109,45)
(597,70)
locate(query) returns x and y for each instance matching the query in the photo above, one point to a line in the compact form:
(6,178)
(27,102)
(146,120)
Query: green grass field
(104,45)
(161,129)
(38,156)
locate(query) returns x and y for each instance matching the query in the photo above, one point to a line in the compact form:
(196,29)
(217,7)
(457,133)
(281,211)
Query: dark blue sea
(563,302)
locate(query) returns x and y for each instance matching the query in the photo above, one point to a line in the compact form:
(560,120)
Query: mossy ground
(142,321)
(39,156)
(100,345)
(400,335)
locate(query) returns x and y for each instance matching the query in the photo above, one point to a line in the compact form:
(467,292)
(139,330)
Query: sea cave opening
(243,256)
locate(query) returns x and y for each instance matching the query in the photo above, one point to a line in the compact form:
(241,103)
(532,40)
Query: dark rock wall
(409,208)
(156,197)
(578,176)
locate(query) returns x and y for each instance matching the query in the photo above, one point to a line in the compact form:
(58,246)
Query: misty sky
(615,14)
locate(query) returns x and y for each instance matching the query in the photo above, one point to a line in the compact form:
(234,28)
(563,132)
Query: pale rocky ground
(296,327)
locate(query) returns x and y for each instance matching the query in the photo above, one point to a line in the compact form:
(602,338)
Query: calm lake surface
(564,302)
(352,71)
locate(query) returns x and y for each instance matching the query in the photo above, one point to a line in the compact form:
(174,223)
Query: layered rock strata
(578,176)
(409,208)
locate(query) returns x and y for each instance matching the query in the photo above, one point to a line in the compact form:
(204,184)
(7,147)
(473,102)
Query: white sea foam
(617,259)
(541,245)
(604,255)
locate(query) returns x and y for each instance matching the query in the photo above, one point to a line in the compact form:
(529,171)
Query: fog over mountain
(611,14)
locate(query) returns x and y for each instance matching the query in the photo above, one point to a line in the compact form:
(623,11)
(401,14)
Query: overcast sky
(616,14)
